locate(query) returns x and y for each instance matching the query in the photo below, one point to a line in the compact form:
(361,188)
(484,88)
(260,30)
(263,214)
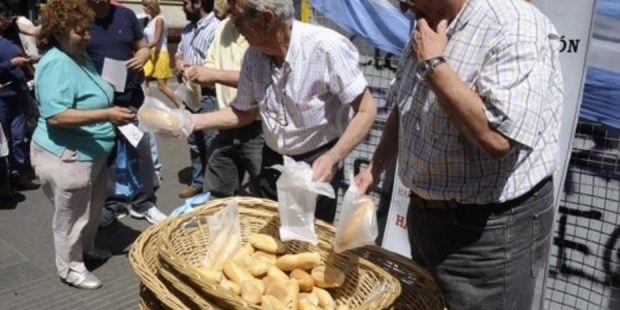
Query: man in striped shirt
(303,80)
(475,127)
(195,41)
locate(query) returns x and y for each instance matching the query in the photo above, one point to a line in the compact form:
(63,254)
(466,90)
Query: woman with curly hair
(74,137)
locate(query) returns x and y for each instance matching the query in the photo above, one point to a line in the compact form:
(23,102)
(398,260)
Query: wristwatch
(425,68)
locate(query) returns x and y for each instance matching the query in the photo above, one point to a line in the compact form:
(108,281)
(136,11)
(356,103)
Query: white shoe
(152,215)
(85,280)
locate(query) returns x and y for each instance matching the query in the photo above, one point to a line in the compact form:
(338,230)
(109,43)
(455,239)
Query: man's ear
(269,18)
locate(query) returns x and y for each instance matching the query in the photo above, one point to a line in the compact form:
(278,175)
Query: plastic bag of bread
(224,236)
(358,221)
(297,200)
(156,116)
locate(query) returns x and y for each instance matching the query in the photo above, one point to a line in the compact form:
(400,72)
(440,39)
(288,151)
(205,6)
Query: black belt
(419,202)
(207,91)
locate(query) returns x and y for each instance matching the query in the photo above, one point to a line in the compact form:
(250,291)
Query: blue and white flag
(378,22)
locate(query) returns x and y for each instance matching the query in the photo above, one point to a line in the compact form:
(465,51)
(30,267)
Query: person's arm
(159,27)
(462,105)
(227,118)
(208,76)
(365,112)
(384,154)
(28,29)
(76,118)
(141,55)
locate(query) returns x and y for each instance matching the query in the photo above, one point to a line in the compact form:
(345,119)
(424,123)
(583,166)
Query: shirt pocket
(308,114)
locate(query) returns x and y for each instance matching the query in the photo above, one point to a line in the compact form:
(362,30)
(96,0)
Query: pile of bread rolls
(261,273)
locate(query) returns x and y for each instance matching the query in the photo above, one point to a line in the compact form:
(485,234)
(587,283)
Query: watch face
(422,71)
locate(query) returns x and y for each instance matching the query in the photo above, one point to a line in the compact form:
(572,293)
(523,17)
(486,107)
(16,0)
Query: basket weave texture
(367,286)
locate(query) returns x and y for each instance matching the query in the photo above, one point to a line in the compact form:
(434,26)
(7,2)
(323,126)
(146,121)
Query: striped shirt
(306,103)
(196,39)
(507,52)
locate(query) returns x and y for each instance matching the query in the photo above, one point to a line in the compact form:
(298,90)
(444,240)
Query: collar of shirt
(203,22)
(462,18)
(294,45)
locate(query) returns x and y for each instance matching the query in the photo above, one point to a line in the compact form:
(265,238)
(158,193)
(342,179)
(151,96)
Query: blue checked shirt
(196,39)
(305,104)
(507,52)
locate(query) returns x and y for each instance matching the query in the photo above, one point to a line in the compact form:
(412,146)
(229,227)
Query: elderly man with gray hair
(303,80)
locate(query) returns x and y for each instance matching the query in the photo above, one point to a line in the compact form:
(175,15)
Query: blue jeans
(233,153)
(13,120)
(199,143)
(485,256)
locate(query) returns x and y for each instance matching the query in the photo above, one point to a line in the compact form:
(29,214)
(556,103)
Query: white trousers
(77,192)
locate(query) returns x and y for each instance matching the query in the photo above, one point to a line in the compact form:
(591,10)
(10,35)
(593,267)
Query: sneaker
(188,192)
(122,214)
(152,215)
(106,218)
(85,280)
(96,255)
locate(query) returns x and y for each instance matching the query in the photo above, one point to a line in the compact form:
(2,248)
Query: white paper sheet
(132,133)
(115,72)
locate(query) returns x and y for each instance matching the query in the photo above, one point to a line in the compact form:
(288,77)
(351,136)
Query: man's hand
(19,61)
(120,116)
(201,75)
(135,63)
(367,180)
(323,168)
(429,43)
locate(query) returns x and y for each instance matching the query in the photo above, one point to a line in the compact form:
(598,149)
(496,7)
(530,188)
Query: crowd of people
(474,124)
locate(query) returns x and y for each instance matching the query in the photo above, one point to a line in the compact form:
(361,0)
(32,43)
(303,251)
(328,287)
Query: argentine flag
(377,22)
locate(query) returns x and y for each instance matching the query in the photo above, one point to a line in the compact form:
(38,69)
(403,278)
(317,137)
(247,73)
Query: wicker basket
(156,294)
(182,248)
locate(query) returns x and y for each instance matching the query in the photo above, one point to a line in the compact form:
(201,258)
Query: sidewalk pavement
(28,278)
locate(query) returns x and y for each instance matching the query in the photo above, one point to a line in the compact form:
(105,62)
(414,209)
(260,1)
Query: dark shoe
(189,191)
(106,218)
(96,255)
(22,183)
(85,280)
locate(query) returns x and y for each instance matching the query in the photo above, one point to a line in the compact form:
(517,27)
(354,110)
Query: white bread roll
(267,243)
(328,276)
(304,261)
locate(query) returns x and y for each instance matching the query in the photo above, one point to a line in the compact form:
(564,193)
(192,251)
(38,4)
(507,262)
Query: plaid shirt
(305,104)
(507,52)
(196,39)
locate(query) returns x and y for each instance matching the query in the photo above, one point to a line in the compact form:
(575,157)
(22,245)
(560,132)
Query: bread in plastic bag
(358,221)
(224,236)
(297,200)
(156,116)
(191,94)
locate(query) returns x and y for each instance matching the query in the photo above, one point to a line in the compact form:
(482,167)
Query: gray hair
(283,9)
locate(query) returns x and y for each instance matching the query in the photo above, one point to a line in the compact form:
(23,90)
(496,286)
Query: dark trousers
(484,256)
(200,142)
(325,206)
(233,153)
(13,119)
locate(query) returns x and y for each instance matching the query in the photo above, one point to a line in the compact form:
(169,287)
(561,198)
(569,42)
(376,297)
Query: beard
(192,16)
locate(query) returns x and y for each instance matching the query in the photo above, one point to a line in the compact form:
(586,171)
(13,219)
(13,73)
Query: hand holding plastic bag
(358,221)
(224,236)
(297,200)
(156,116)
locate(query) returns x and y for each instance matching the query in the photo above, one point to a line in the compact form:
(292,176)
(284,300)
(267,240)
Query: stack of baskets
(166,259)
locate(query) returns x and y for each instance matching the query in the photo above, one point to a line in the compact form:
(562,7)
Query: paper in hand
(132,133)
(115,72)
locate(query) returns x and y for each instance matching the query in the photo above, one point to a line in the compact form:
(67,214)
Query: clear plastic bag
(297,200)
(190,93)
(224,236)
(358,221)
(156,116)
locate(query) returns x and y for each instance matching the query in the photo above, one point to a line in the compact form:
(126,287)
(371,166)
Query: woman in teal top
(74,136)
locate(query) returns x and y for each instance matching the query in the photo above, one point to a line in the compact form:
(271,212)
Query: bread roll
(245,250)
(266,257)
(250,293)
(274,272)
(310,297)
(305,261)
(305,304)
(305,280)
(236,273)
(325,298)
(231,286)
(292,287)
(327,276)
(269,302)
(210,274)
(224,246)
(256,267)
(267,243)
(357,220)
(159,119)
